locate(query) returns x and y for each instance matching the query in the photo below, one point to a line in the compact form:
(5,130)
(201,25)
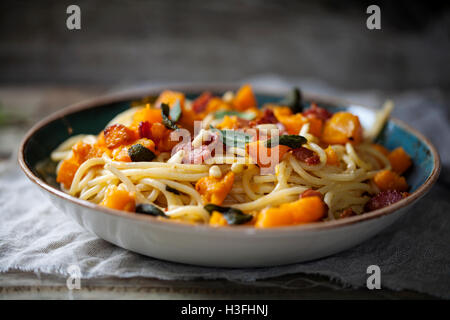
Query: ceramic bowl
(240,246)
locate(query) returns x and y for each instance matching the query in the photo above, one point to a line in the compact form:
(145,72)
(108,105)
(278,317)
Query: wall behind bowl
(130,41)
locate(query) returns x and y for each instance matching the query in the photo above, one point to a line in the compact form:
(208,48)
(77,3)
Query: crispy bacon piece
(311,193)
(201,102)
(317,112)
(118,134)
(145,129)
(267,117)
(306,155)
(384,199)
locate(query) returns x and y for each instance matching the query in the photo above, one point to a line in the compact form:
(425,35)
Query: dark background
(128,42)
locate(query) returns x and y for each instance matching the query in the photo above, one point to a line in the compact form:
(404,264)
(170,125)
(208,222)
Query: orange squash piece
(101,140)
(214,104)
(81,151)
(217,220)
(66,172)
(400,160)
(188,116)
(244,98)
(304,210)
(332,157)
(147,114)
(229,123)
(121,154)
(390,180)
(100,147)
(315,126)
(215,190)
(170,97)
(189,113)
(97,152)
(341,128)
(294,122)
(263,155)
(280,112)
(119,199)
(118,134)
(148,143)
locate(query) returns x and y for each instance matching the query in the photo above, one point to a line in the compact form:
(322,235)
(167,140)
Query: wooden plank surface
(122,42)
(25,285)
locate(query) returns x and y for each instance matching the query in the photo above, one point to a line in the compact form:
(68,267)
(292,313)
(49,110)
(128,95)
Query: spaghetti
(282,164)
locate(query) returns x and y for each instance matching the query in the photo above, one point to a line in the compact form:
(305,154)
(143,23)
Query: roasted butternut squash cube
(119,199)
(170,97)
(244,98)
(294,122)
(215,190)
(390,180)
(147,115)
(400,160)
(341,128)
(66,172)
(217,219)
(304,210)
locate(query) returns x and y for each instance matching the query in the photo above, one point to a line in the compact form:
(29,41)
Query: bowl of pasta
(229,176)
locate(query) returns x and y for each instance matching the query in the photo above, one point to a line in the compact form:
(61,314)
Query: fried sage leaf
(243,115)
(232,215)
(291,140)
(294,100)
(169,124)
(139,153)
(233,138)
(175,111)
(146,208)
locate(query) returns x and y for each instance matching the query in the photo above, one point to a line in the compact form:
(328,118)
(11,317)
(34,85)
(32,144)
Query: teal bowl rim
(196,88)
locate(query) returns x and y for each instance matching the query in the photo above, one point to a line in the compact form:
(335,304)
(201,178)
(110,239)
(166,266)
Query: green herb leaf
(169,124)
(170,189)
(175,111)
(146,208)
(291,140)
(139,153)
(232,215)
(212,207)
(243,115)
(293,100)
(234,218)
(233,138)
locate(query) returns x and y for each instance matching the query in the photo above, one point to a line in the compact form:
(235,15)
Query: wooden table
(20,107)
